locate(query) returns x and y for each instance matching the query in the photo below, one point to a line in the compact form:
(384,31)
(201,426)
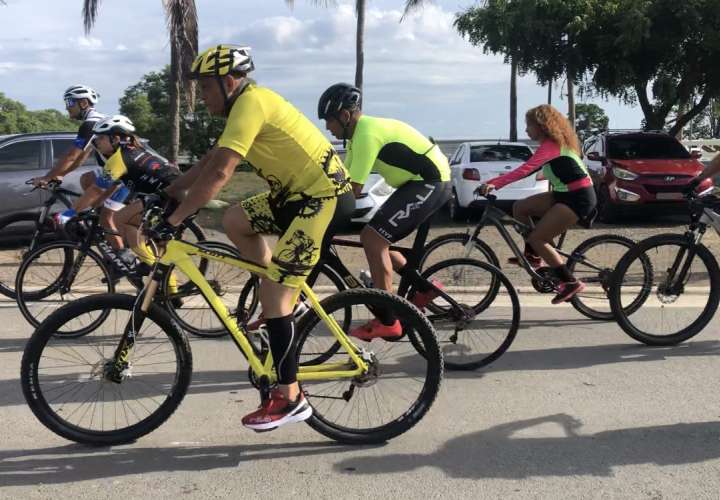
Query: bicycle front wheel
(472,334)
(682,295)
(455,246)
(593,262)
(58,273)
(66,381)
(400,386)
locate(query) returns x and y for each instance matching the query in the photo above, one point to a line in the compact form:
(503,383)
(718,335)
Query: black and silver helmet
(76,92)
(338,97)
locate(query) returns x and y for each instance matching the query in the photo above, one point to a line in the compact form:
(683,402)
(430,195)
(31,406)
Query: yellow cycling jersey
(285,148)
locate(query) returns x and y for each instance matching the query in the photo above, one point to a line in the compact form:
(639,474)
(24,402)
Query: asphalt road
(575,409)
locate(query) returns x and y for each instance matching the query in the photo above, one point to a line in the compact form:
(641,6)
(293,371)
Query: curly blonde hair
(554,125)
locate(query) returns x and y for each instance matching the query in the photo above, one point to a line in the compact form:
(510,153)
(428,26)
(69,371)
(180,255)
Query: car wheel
(607,211)
(457,213)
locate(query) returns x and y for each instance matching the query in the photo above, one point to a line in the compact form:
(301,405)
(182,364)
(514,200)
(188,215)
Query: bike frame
(179,253)
(497,218)
(58,193)
(409,276)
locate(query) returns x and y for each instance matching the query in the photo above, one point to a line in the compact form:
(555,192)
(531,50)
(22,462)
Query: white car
(374,193)
(475,163)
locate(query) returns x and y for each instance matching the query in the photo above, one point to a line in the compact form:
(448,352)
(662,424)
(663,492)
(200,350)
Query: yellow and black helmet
(222,60)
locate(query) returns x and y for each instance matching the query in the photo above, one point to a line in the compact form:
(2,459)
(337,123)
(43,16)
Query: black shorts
(408,207)
(581,201)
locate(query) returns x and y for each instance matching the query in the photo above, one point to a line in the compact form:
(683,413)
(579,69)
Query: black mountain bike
(24,231)
(65,270)
(682,295)
(593,261)
(470,333)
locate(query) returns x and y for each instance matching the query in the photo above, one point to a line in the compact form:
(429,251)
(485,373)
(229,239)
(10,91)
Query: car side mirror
(595,156)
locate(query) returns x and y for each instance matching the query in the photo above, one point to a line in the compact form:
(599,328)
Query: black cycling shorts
(408,207)
(581,201)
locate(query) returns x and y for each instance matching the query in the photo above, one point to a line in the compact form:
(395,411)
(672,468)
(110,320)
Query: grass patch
(242,185)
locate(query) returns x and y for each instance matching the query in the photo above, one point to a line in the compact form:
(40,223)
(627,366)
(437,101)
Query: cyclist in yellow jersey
(408,161)
(309,193)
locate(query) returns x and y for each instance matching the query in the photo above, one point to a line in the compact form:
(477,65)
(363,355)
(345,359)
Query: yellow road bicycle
(130,373)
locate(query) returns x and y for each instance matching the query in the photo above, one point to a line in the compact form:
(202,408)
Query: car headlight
(625,175)
(382,189)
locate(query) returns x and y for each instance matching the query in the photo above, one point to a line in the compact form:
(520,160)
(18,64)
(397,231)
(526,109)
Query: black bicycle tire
(5,288)
(39,339)
(499,278)
(696,326)
(462,238)
(434,372)
(220,331)
(576,300)
(71,247)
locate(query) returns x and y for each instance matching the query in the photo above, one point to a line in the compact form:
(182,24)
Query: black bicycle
(682,295)
(65,270)
(24,231)
(593,261)
(470,333)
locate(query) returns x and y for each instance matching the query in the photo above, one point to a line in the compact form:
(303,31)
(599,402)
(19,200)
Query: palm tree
(513,99)
(181,18)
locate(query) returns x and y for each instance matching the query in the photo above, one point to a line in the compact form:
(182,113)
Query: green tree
(147,104)
(182,23)
(657,53)
(589,119)
(16,119)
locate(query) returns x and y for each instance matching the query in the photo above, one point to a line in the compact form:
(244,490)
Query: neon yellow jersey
(396,151)
(284,147)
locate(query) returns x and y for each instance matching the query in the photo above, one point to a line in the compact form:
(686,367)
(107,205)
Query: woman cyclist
(131,164)
(572,197)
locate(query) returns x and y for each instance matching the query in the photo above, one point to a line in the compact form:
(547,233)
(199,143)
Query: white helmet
(81,92)
(116,124)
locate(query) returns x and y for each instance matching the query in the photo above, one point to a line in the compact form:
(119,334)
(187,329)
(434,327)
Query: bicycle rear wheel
(475,334)
(400,386)
(57,273)
(65,382)
(593,262)
(191,311)
(678,305)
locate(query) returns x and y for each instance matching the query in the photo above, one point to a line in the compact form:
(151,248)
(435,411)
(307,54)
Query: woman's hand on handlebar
(484,189)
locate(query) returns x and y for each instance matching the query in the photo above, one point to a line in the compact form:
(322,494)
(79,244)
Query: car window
(499,152)
(589,144)
(23,155)
(61,147)
(457,156)
(646,147)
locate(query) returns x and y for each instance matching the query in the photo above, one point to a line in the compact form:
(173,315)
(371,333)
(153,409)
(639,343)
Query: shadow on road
(74,462)
(499,453)
(570,358)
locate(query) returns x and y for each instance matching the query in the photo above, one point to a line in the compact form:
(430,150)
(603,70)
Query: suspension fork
(132,328)
(675,283)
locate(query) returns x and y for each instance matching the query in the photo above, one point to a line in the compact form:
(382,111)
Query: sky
(419,71)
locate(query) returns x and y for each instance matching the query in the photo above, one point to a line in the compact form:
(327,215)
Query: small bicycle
(593,261)
(130,373)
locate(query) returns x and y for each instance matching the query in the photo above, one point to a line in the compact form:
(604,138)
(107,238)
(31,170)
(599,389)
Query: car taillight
(471,174)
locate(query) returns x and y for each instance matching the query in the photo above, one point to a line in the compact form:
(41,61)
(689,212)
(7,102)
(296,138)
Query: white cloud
(13,67)
(120,47)
(88,42)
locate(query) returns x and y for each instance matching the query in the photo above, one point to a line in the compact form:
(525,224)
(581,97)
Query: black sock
(564,274)
(283,345)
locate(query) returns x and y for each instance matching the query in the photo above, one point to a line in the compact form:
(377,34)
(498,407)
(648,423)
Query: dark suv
(640,169)
(23,156)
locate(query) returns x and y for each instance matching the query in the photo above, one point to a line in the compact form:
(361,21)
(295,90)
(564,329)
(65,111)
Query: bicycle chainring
(546,285)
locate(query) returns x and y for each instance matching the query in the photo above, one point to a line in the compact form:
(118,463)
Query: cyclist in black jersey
(130,170)
(409,162)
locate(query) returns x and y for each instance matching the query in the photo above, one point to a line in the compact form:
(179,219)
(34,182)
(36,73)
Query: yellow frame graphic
(179,253)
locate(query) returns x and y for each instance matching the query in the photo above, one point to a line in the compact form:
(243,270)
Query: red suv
(633,169)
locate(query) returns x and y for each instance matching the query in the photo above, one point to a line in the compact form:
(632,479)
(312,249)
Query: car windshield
(499,152)
(646,147)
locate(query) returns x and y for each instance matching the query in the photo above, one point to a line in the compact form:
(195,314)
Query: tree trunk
(694,111)
(513,100)
(550,84)
(571,100)
(360,43)
(174,104)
